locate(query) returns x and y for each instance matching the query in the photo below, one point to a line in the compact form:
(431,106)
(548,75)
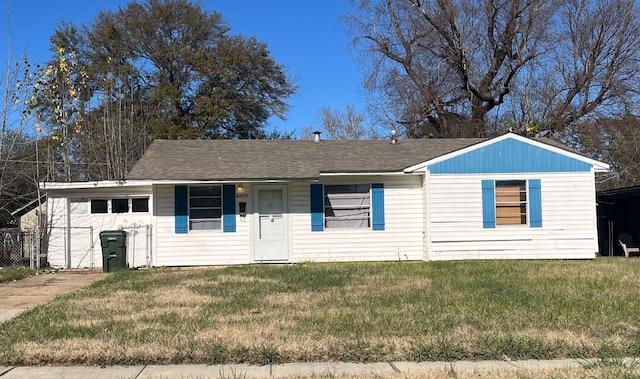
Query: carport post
(91,244)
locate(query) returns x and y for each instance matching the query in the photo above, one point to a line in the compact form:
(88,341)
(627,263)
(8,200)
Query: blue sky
(307,37)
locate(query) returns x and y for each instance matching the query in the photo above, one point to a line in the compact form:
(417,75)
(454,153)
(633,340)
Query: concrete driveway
(18,296)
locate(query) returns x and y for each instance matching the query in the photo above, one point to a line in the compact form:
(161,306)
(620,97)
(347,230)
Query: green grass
(8,274)
(352,312)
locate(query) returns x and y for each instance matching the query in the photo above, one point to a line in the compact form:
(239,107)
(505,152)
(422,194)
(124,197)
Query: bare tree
(454,68)
(594,70)
(337,124)
(616,141)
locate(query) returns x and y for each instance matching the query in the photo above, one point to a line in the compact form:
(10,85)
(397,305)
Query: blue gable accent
(509,156)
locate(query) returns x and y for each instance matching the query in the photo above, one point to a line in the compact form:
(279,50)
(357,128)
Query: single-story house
(223,202)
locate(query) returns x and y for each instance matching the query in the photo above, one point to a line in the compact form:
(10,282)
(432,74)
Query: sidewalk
(325,369)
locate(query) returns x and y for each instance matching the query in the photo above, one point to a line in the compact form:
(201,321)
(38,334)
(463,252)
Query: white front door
(271,237)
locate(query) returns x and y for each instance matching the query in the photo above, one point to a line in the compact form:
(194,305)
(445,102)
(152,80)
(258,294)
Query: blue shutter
(181,202)
(377,206)
(488,204)
(535,203)
(229,208)
(317,208)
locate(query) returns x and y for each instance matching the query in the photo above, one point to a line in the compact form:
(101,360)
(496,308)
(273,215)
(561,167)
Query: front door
(271,234)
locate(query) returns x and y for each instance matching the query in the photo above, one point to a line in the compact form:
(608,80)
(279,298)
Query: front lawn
(349,312)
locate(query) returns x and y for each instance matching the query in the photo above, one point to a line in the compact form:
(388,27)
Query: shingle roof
(284,159)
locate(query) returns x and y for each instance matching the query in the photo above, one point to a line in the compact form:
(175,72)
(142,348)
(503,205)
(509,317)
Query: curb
(282,370)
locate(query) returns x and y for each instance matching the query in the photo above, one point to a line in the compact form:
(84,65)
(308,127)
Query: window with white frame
(119,205)
(99,206)
(116,205)
(205,207)
(140,205)
(511,202)
(347,206)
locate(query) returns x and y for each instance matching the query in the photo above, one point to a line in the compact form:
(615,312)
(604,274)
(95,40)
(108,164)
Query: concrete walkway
(20,295)
(329,369)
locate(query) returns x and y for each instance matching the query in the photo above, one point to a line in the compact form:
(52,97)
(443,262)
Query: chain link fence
(69,247)
(19,248)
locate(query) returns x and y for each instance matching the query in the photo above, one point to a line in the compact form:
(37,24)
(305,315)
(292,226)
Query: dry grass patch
(355,312)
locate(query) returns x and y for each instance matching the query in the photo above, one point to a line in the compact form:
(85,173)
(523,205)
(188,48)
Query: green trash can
(114,250)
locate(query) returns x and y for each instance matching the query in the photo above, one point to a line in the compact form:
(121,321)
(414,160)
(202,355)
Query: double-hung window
(347,206)
(205,207)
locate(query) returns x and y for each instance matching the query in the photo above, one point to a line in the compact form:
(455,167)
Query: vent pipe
(316,136)
(394,136)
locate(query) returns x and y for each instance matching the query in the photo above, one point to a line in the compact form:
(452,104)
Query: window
(78,207)
(347,206)
(98,206)
(205,208)
(120,206)
(511,202)
(140,205)
(506,202)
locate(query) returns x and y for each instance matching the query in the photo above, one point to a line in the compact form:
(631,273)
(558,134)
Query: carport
(618,212)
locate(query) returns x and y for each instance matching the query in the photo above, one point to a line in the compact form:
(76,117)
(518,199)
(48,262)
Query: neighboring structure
(30,214)
(20,246)
(226,202)
(618,211)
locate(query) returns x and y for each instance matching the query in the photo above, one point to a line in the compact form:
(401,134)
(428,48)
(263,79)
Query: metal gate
(71,247)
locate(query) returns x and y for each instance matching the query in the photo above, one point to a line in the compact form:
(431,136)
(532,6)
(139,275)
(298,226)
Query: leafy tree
(456,68)
(159,69)
(20,151)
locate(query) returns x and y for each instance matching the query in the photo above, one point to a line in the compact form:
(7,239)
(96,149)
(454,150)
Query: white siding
(203,247)
(74,239)
(568,214)
(402,238)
